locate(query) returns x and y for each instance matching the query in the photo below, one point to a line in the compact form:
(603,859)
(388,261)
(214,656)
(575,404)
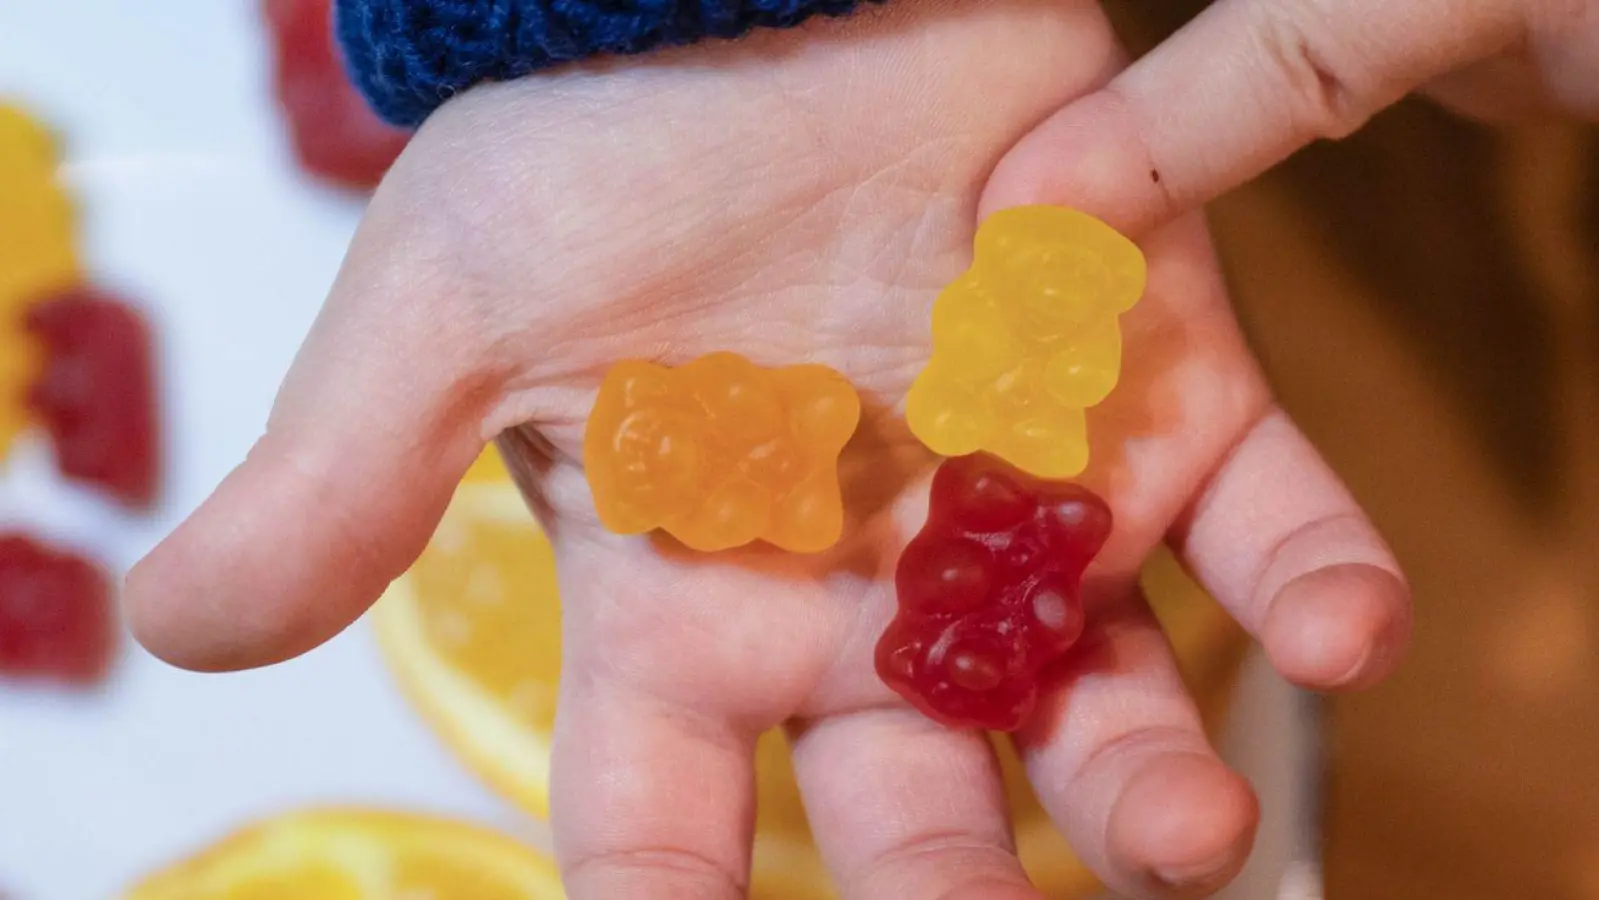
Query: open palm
(796,197)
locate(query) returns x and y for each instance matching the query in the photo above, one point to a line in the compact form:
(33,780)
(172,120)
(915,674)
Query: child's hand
(799,196)
(1251,81)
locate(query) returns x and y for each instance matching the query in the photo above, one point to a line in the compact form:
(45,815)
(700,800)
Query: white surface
(1268,740)
(191,206)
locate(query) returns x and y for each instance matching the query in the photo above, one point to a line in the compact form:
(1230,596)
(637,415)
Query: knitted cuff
(409,56)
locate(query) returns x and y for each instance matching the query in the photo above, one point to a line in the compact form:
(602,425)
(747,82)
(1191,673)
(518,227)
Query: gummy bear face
(1060,272)
(989,592)
(1028,339)
(656,446)
(721,453)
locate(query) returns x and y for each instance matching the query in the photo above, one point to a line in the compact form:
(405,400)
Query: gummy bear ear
(737,396)
(982,493)
(637,381)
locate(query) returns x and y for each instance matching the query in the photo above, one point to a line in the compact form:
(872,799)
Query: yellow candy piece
(38,250)
(1027,339)
(38,253)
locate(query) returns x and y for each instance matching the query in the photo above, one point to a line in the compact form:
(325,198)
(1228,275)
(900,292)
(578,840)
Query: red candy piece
(335,134)
(990,592)
(55,614)
(96,392)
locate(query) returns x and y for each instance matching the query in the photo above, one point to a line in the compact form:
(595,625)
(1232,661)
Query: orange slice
(473,634)
(358,855)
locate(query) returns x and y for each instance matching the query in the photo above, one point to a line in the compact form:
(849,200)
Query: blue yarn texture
(409,56)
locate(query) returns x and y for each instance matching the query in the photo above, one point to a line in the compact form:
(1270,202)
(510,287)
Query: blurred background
(1425,296)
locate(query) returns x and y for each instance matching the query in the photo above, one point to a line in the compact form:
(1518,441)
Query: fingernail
(1358,669)
(1194,876)
(1349,614)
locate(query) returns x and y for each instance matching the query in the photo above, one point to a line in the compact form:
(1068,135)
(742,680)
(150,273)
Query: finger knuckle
(691,872)
(970,858)
(1180,734)
(1326,97)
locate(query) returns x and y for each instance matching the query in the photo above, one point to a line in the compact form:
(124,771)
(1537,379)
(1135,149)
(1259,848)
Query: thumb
(1239,89)
(376,423)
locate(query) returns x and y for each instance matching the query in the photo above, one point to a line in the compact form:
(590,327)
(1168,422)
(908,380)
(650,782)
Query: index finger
(1236,91)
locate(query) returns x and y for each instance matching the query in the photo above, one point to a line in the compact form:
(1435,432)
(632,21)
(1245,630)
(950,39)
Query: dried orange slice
(358,855)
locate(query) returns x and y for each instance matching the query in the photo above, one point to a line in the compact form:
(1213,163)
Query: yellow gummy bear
(38,251)
(1027,339)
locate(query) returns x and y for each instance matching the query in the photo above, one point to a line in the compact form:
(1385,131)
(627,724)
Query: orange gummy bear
(720,453)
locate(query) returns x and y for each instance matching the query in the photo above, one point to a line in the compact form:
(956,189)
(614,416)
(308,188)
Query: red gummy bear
(55,614)
(990,592)
(96,392)
(335,134)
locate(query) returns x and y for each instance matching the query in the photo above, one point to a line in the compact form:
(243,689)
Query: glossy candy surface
(96,392)
(55,614)
(335,134)
(990,592)
(720,453)
(1027,339)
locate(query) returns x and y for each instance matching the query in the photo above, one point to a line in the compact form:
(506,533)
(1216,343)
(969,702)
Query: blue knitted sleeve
(409,56)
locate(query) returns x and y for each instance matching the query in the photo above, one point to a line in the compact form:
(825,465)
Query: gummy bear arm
(1094,522)
(825,405)
(945,416)
(1131,288)
(810,517)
